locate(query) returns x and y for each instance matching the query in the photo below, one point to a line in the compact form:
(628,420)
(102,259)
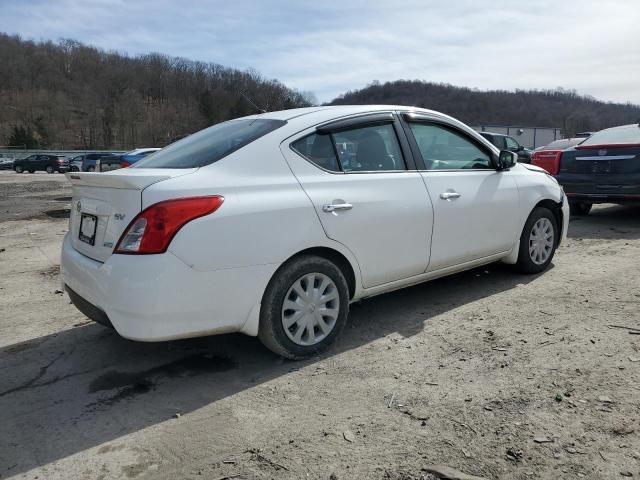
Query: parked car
(89,161)
(255,225)
(604,168)
(75,163)
(133,156)
(6,162)
(107,163)
(46,162)
(505,142)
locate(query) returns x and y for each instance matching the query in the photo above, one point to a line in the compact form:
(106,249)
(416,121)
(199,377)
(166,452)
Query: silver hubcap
(541,241)
(310,309)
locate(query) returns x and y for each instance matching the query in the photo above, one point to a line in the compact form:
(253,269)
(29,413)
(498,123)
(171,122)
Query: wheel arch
(549,203)
(334,256)
(556,209)
(348,269)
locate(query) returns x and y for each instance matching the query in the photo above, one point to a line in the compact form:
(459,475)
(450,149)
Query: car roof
(494,134)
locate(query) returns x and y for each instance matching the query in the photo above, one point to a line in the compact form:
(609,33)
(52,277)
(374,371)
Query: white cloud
(334,46)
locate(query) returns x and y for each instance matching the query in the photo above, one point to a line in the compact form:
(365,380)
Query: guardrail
(20,154)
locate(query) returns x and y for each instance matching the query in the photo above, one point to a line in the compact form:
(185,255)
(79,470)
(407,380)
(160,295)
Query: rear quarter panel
(265,219)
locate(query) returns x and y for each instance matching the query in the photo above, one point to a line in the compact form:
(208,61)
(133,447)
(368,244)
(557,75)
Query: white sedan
(270,225)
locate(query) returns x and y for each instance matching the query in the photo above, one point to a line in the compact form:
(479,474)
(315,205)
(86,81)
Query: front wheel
(538,241)
(304,307)
(50,169)
(19,169)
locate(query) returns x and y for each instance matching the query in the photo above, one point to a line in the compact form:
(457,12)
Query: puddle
(131,384)
(58,213)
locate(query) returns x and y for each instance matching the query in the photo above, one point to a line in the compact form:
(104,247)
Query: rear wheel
(538,241)
(31,171)
(580,208)
(304,307)
(19,169)
(50,169)
(91,169)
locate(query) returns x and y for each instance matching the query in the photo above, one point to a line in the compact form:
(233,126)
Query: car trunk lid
(103,204)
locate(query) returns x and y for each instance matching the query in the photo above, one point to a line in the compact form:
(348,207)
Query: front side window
(444,149)
(366,149)
(211,144)
(511,144)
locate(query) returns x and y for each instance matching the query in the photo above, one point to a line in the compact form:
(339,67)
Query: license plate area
(88,226)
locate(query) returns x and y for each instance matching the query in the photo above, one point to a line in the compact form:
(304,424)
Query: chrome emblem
(78,207)
(602,152)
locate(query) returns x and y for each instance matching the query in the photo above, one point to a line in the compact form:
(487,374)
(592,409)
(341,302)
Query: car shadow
(607,222)
(80,388)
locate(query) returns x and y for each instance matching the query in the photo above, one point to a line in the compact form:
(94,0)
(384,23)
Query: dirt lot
(495,374)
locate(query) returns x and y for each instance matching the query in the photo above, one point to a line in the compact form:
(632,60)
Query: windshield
(616,135)
(210,145)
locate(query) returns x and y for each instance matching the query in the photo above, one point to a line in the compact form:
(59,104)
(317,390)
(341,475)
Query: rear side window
(366,149)
(211,144)
(319,150)
(625,134)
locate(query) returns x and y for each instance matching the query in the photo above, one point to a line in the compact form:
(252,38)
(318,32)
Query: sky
(328,47)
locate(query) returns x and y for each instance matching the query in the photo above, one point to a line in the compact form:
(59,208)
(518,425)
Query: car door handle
(449,195)
(332,207)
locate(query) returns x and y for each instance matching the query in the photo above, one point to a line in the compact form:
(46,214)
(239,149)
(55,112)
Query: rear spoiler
(137,179)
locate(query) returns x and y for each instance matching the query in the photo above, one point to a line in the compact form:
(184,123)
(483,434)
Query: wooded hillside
(558,108)
(69,95)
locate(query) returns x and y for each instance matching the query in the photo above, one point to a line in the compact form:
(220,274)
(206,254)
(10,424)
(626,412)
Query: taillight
(152,230)
(548,159)
(124,164)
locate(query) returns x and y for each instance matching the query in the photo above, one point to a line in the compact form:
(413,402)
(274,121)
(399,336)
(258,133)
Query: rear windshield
(625,134)
(210,145)
(562,144)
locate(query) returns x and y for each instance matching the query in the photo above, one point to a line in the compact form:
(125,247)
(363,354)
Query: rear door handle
(332,207)
(449,195)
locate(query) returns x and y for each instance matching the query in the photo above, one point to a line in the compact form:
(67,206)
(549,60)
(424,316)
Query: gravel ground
(492,373)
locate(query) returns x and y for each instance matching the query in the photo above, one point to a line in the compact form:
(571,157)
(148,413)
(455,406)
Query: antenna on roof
(246,97)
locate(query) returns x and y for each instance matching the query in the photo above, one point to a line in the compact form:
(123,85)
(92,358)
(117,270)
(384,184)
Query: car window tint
(368,149)
(317,148)
(511,143)
(211,144)
(443,149)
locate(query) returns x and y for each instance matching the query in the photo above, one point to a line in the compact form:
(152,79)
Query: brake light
(152,230)
(124,164)
(547,159)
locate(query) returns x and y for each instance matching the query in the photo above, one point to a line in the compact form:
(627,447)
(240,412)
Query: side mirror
(507,159)
(520,148)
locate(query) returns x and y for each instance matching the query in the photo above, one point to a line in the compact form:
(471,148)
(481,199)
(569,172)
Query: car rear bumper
(601,188)
(159,297)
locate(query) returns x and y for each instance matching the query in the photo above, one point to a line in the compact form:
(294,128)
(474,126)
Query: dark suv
(505,142)
(48,163)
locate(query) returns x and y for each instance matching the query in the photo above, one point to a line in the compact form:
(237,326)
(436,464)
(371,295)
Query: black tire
(525,263)
(19,169)
(31,171)
(91,169)
(50,169)
(580,208)
(271,330)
